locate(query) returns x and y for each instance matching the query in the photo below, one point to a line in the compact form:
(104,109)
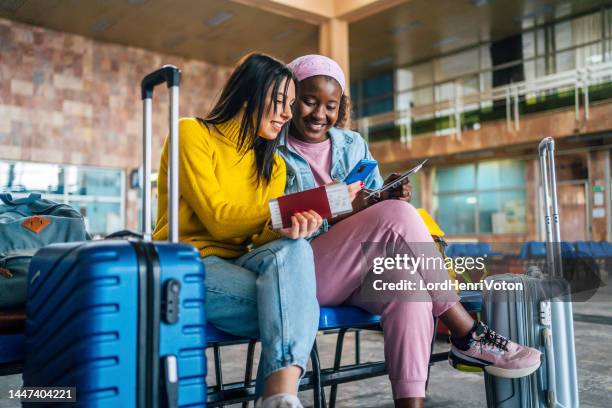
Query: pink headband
(313,65)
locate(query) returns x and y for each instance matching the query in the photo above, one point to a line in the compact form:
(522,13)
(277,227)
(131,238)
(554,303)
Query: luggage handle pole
(146,171)
(551,396)
(546,151)
(170,75)
(173,180)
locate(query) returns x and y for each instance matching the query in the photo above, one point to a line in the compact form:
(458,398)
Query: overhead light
(447,41)
(404,28)
(102,25)
(471,200)
(219,18)
(136,2)
(381,61)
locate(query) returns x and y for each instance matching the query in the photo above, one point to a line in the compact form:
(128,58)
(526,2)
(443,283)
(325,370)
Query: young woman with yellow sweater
(260,283)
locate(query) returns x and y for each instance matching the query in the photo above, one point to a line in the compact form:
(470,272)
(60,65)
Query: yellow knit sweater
(222,210)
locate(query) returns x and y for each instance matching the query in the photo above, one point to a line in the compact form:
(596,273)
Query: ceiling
(221,31)
(218,31)
(421,29)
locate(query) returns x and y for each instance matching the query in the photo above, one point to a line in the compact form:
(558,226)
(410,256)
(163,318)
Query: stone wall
(68,99)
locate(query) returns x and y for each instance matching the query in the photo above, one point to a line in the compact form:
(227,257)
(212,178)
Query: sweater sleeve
(277,187)
(200,188)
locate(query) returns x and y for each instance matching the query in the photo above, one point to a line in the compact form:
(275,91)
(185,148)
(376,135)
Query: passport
(328,201)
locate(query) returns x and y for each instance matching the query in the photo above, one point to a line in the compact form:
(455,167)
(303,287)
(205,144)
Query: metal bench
(341,319)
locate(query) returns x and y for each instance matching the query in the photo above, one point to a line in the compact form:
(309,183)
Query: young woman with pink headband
(317,151)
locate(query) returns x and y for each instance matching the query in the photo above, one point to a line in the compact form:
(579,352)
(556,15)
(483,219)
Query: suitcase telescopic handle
(551,396)
(170,75)
(546,151)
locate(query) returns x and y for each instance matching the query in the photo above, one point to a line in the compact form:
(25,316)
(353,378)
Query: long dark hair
(247,87)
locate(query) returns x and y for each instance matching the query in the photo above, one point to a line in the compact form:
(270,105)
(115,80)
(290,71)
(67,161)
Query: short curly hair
(344,111)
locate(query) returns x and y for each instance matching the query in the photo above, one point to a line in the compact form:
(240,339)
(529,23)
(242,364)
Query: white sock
(279,401)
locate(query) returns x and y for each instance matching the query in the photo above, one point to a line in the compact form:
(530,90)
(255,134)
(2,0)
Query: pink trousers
(407,325)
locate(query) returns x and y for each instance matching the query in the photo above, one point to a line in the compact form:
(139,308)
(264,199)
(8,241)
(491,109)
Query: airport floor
(447,387)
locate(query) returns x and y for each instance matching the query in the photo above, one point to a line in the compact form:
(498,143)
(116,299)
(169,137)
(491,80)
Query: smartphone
(361,171)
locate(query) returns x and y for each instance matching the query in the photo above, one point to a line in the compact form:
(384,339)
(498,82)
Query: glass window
(403,81)
(470,85)
(457,178)
(423,73)
(31,177)
(529,68)
(487,197)
(456,214)
(354,89)
(377,95)
(375,107)
(565,61)
(502,212)
(563,35)
(100,218)
(96,193)
(423,96)
(485,57)
(586,29)
(528,44)
(540,42)
(378,85)
(501,175)
(445,91)
(88,181)
(458,64)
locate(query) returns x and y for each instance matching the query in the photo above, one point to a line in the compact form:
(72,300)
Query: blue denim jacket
(348,148)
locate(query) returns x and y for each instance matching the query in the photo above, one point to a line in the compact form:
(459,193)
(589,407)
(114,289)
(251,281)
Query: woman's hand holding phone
(354,189)
(303,225)
(359,197)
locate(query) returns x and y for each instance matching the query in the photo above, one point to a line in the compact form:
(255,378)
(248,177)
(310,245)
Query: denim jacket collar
(339,139)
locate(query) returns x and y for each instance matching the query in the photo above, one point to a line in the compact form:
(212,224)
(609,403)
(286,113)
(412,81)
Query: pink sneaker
(494,353)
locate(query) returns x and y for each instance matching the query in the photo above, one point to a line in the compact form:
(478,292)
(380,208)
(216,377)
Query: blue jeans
(268,294)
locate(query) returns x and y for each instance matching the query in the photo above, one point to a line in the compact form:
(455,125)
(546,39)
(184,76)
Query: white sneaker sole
(456,357)
(511,373)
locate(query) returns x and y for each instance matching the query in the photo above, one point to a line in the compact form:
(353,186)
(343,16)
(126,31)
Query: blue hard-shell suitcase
(121,320)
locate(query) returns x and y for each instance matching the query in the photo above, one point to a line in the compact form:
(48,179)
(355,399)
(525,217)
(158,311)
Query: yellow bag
(437,234)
